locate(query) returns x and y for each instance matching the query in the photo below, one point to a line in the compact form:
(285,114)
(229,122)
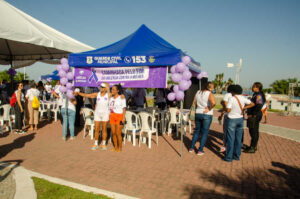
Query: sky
(264,33)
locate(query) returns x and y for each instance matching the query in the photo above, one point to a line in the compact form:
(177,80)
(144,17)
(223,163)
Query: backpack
(13,100)
(35,103)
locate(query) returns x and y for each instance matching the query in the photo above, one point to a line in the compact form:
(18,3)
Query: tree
(282,86)
(20,77)
(4,76)
(219,83)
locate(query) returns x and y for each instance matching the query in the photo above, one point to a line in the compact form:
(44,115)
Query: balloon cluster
(182,76)
(65,73)
(11,72)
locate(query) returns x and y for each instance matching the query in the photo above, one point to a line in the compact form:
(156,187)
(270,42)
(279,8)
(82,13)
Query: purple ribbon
(93,76)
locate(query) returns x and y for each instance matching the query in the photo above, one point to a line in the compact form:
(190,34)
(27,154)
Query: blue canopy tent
(53,76)
(150,47)
(139,60)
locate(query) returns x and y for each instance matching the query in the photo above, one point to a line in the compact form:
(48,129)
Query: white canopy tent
(24,40)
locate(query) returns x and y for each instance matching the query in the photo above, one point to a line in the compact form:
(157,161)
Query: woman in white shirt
(33,113)
(101,115)
(117,107)
(204,101)
(70,112)
(48,89)
(235,107)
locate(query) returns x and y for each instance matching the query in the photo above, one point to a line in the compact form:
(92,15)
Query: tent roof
(23,37)
(143,42)
(53,76)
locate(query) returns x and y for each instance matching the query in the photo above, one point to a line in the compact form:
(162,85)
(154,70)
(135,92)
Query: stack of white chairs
(175,119)
(88,121)
(148,127)
(5,117)
(133,124)
(42,109)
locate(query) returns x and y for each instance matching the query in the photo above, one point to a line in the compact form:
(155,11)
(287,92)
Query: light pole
(238,70)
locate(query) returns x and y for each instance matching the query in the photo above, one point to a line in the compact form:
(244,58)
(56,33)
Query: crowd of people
(110,104)
(234,107)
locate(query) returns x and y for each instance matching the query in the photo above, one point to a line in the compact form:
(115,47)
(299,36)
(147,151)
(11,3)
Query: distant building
(282,104)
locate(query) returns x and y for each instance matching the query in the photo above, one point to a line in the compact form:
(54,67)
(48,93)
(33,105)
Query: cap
(77,90)
(103,85)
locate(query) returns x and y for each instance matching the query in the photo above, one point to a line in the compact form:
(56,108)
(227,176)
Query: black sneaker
(250,150)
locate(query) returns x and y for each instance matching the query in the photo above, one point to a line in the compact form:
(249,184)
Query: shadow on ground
(6,163)
(17,143)
(279,182)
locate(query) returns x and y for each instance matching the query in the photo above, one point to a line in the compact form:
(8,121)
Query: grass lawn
(49,190)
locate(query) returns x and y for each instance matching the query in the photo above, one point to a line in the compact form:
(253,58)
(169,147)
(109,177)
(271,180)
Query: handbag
(192,113)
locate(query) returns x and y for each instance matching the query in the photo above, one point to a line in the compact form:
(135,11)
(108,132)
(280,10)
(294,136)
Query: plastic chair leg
(169,129)
(149,140)
(133,137)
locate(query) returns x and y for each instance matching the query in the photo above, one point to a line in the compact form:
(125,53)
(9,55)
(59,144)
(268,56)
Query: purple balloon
(70,76)
(180,67)
(179,95)
(63,81)
(70,94)
(171,96)
(175,88)
(65,67)
(186,60)
(62,73)
(183,85)
(62,89)
(59,68)
(204,74)
(186,75)
(69,86)
(173,69)
(190,83)
(64,61)
(176,77)
(199,76)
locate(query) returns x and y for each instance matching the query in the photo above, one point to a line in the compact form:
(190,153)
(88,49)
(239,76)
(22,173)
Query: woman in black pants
(254,116)
(19,109)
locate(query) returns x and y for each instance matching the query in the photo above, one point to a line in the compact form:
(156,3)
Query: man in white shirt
(224,102)
(235,108)
(48,89)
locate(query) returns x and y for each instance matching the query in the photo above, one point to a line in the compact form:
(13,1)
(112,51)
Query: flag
(229,65)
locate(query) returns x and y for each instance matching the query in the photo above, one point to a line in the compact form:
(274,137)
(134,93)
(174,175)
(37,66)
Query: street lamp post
(238,70)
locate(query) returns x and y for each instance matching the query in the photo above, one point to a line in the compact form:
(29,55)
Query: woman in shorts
(117,106)
(101,115)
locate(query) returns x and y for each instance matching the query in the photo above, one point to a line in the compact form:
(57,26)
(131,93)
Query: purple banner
(128,77)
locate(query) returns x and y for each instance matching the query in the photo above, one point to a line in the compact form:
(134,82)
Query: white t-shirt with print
(235,107)
(48,88)
(116,105)
(31,93)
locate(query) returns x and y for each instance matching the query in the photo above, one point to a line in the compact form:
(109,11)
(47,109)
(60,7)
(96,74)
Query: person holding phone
(117,106)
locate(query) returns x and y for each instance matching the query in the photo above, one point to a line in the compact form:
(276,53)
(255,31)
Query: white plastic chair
(147,121)
(42,109)
(55,110)
(5,117)
(186,120)
(175,118)
(133,124)
(88,121)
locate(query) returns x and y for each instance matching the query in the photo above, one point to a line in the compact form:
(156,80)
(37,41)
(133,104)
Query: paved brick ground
(159,172)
